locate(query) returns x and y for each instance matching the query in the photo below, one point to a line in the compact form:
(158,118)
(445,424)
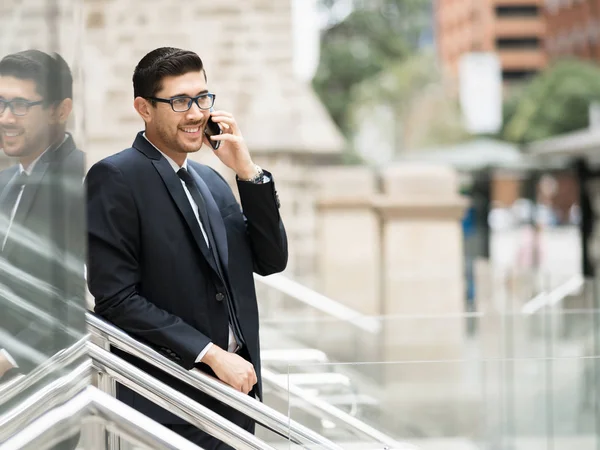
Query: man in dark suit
(42,212)
(171,254)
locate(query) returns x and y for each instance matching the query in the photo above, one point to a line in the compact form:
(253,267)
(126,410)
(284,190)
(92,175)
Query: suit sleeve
(114,252)
(268,239)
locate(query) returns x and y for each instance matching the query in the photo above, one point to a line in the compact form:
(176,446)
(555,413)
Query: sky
(309,20)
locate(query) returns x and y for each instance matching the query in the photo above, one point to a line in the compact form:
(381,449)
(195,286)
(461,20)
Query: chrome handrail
(44,399)
(268,417)
(117,417)
(327,411)
(110,366)
(555,296)
(177,403)
(320,302)
(61,359)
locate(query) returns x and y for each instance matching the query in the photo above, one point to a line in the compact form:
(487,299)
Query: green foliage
(424,115)
(555,102)
(376,34)
(398,83)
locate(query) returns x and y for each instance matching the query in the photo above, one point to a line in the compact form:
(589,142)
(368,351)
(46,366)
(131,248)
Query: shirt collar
(172,163)
(30,167)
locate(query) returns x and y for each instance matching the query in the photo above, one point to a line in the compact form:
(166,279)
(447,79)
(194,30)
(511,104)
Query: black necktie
(203,213)
(13,190)
(8,202)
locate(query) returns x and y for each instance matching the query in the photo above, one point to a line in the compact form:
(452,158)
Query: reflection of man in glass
(41,211)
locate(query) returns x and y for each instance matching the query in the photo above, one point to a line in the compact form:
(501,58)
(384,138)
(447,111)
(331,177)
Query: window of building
(517,11)
(518,43)
(517,75)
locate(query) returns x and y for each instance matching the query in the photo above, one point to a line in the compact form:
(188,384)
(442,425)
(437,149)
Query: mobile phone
(212,129)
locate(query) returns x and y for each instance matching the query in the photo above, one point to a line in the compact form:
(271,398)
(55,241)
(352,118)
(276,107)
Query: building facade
(573,29)
(515,29)
(248,50)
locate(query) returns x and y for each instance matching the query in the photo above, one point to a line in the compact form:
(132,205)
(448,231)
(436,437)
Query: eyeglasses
(18,107)
(184,103)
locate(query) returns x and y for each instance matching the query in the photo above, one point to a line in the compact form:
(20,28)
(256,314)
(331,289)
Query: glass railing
(520,373)
(461,405)
(42,227)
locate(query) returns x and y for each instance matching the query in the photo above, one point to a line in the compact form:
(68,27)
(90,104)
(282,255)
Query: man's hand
(233,151)
(5,364)
(231,369)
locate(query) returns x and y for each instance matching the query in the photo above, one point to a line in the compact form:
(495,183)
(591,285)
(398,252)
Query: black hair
(51,74)
(160,63)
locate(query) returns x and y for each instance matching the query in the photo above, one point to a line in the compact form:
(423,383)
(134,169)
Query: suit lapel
(9,180)
(173,184)
(214,216)
(60,152)
(37,180)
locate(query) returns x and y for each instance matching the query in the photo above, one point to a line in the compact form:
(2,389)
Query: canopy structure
(472,156)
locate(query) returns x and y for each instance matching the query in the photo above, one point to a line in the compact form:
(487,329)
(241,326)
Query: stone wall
(247,50)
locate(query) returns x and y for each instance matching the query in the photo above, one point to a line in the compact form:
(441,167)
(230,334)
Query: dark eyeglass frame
(10,105)
(191,100)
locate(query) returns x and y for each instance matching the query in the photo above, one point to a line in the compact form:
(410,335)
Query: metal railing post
(108,385)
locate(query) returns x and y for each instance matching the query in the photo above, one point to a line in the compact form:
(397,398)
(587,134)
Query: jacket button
(220,297)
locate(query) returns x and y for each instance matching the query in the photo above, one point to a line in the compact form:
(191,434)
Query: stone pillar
(423,271)
(348,259)
(422,241)
(423,296)
(348,236)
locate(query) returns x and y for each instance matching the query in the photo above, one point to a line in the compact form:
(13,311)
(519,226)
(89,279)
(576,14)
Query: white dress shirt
(232,344)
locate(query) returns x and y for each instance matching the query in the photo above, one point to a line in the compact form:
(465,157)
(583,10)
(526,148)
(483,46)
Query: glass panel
(42,229)
(486,380)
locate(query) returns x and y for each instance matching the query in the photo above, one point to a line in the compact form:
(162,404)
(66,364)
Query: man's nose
(195,112)
(7,116)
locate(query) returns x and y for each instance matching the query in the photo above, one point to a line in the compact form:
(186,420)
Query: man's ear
(143,108)
(62,111)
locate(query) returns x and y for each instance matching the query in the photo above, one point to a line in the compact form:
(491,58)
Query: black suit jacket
(42,263)
(146,268)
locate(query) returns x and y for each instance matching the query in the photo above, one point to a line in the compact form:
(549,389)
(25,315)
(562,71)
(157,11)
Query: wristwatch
(258,178)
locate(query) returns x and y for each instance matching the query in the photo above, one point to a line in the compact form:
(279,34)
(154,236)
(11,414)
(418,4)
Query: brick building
(515,29)
(573,28)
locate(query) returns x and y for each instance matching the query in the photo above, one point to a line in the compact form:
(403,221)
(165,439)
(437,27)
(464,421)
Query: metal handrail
(108,365)
(247,405)
(555,296)
(61,359)
(339,311)
(177,403)
(116,417)
(320,302)
(327,411)
(268,417)
(44,399)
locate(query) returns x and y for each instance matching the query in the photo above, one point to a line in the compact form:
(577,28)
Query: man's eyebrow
(205,91)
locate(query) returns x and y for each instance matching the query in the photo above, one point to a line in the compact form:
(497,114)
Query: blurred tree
(405,107)
(554,102)
(373,35)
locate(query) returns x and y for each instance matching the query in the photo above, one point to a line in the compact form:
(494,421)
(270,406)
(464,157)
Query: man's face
(180,132)
(22,136)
